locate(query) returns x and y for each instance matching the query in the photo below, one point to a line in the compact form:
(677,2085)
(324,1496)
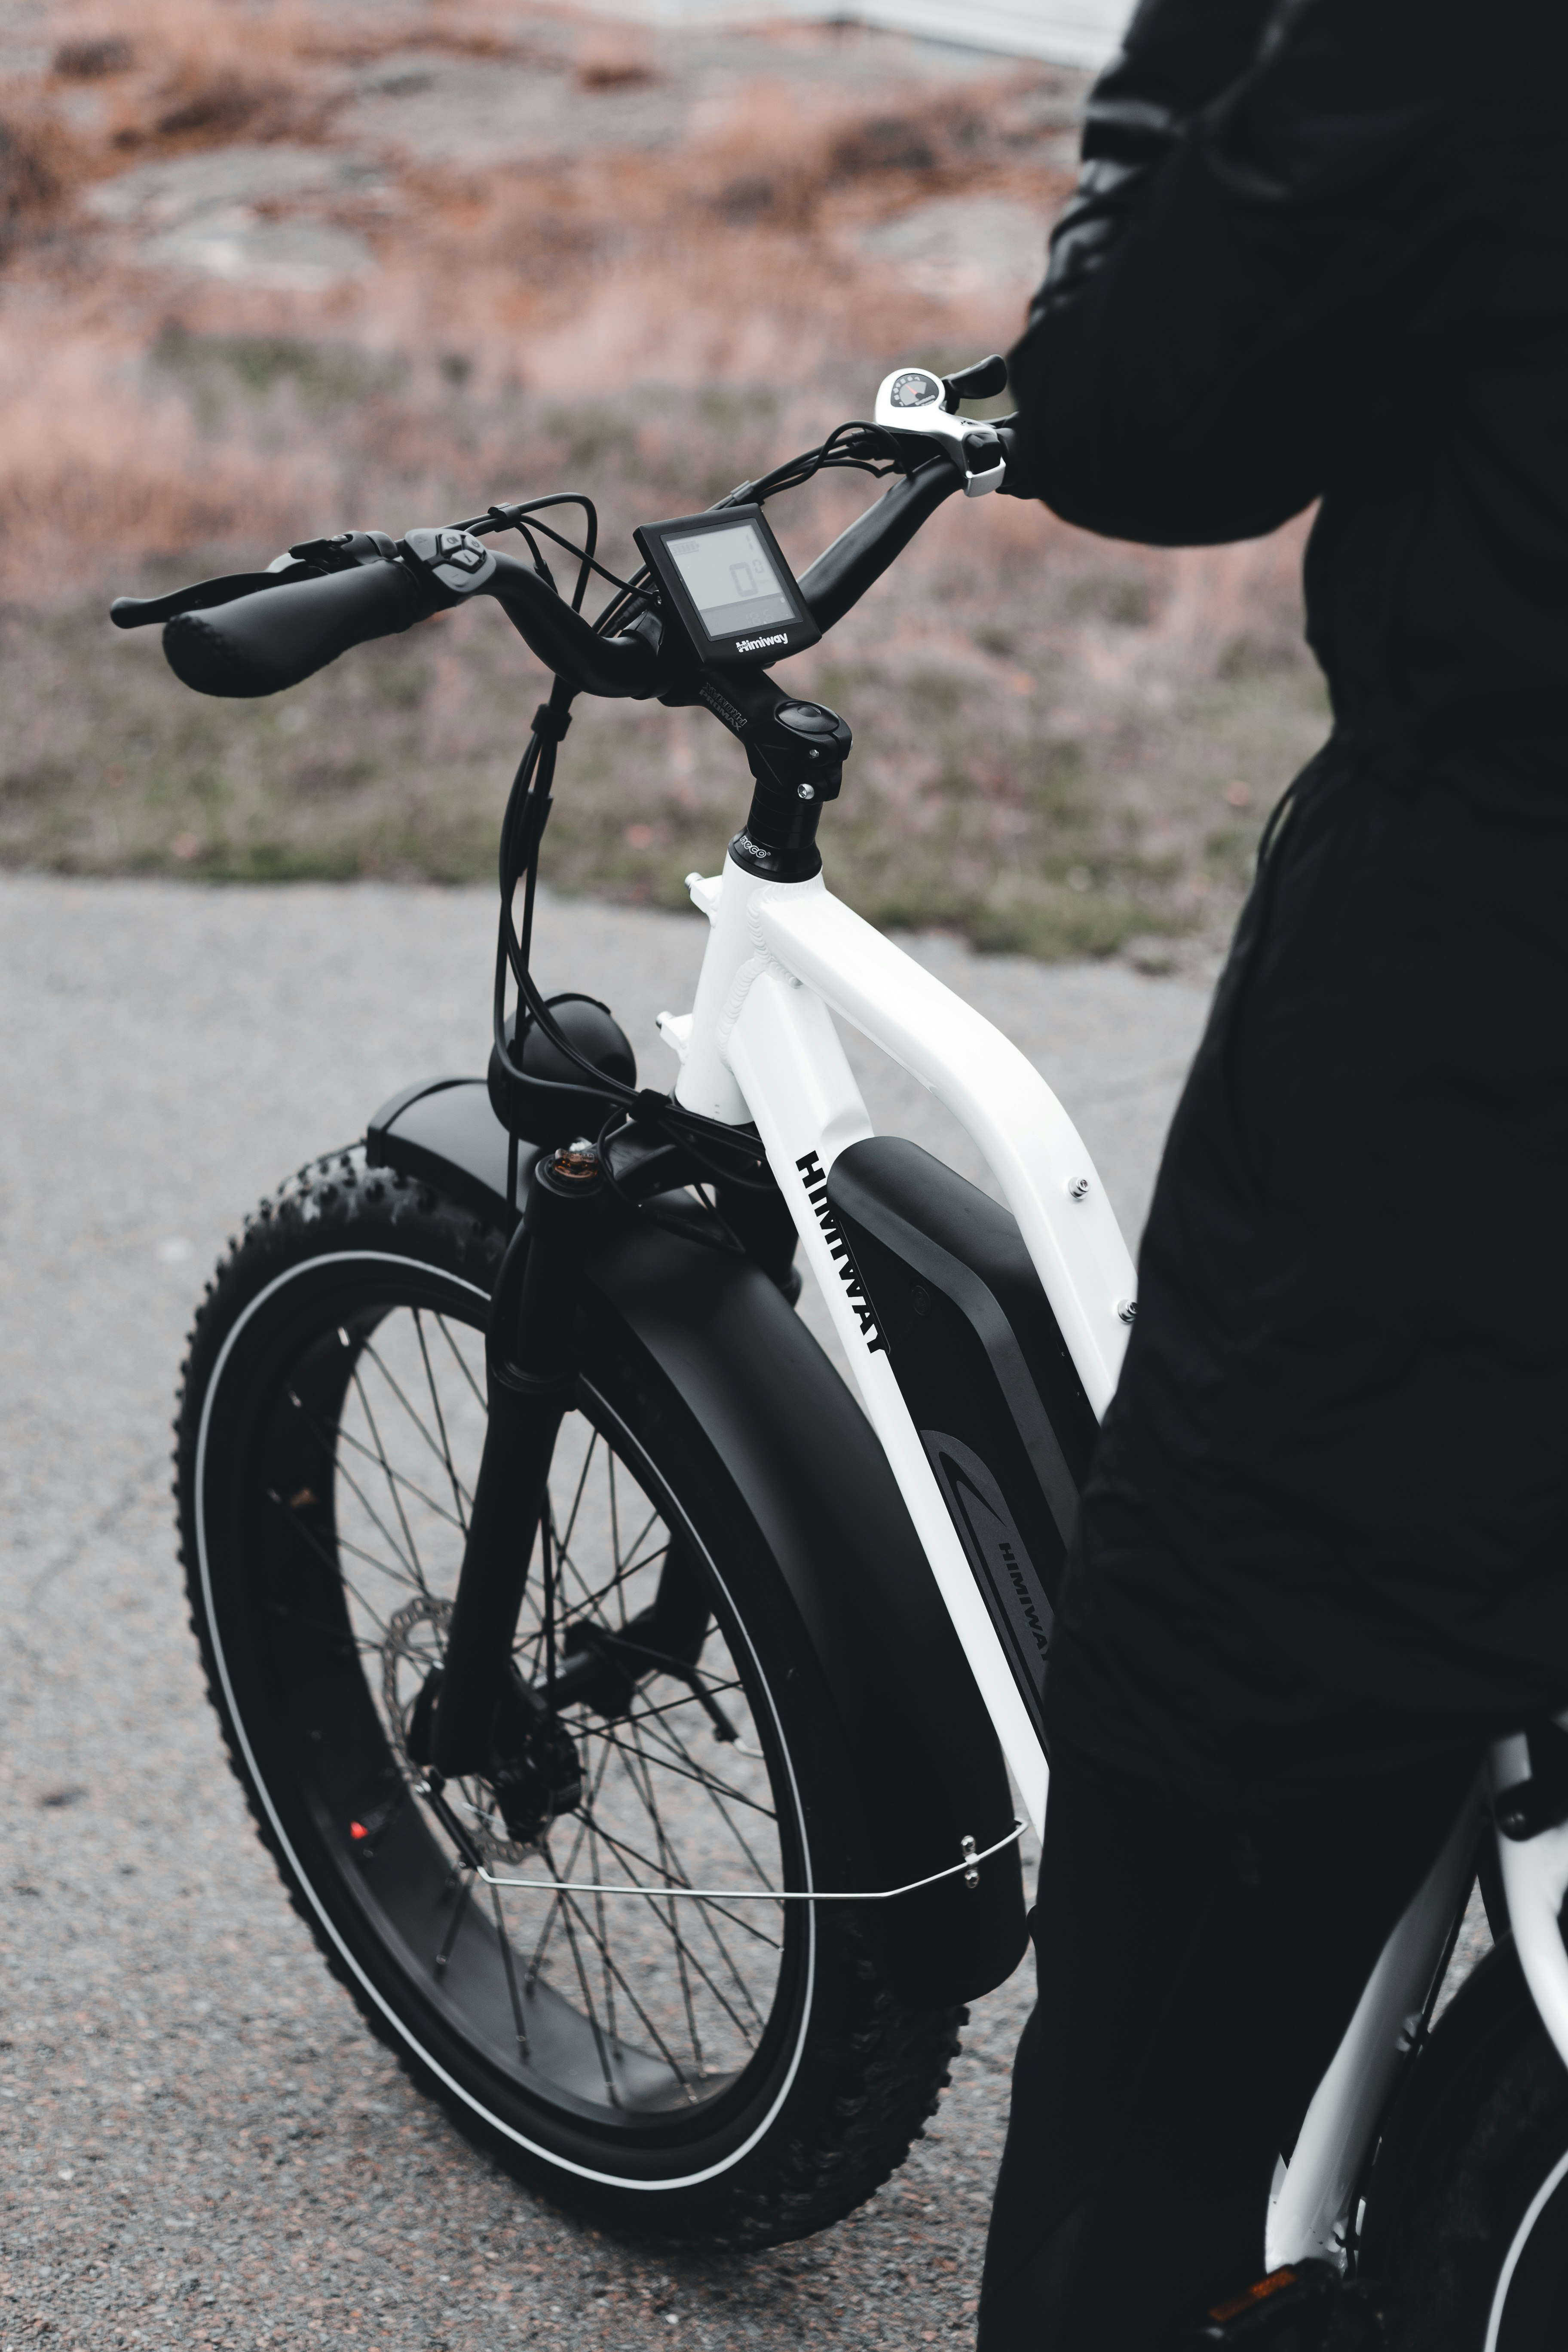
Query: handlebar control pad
(456,559)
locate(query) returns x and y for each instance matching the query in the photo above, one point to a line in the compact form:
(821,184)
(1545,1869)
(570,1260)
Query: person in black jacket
(1317,251)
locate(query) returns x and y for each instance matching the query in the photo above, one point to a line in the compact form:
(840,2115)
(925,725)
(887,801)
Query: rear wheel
(1468,2214)
(715,2065)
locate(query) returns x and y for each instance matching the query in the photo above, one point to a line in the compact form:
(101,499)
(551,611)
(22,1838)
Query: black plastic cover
(986,1373)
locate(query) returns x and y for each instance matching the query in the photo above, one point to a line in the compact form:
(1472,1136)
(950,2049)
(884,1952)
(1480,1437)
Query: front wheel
(723,2067)
(1467,2210)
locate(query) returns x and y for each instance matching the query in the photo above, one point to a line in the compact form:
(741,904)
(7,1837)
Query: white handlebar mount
(912,400)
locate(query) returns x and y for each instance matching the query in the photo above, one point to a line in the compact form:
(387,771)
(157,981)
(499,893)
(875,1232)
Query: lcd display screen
(731,578)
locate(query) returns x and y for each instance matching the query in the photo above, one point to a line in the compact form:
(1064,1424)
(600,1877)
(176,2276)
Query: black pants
(1320,1543)
(1196,1975)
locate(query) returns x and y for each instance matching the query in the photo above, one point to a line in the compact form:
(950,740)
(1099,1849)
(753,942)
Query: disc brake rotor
(414,1646)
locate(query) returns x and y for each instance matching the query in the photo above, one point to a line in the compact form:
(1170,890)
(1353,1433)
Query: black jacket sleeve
(1252,266)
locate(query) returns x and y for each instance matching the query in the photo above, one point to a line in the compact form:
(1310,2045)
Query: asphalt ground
(201,2144)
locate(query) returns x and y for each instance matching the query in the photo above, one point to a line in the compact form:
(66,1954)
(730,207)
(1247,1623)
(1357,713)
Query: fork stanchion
(528,1383)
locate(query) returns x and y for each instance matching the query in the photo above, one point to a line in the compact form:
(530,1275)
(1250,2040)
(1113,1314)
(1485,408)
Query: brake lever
(309,561)
(142,612)
(912,404)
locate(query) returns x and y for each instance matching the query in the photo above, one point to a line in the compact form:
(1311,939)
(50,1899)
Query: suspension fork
(528,1377)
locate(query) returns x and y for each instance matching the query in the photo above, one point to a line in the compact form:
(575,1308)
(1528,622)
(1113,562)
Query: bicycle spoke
(464,1889)
(688,1698)
(535,1965)
(396,1576)
(361,1498)
(674,1867)
(636,1543)
(595,1873)
(610,2090)
(704,1781)
(462,1361)
(570,1910)
(458,1495)
(634,1859)
(398,1478)
(638,1981)
(309,1537)
(595,1600)
(438,1449)
(676,1873)
(616,1542)
(505,1941)
(391,1481)
(577,1498)
(669,1737)
(704,1911)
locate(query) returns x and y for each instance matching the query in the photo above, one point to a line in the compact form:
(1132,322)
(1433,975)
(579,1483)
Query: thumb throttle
(981,381)
(918,405)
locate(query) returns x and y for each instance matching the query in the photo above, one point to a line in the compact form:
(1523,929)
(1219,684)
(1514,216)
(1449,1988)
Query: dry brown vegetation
(563,253)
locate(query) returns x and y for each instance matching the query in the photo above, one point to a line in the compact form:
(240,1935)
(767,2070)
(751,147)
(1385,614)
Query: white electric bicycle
(629,1714)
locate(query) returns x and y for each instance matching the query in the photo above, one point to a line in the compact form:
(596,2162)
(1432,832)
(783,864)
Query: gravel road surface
(200,2143)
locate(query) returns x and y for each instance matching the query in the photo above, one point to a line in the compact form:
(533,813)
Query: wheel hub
(534,1773)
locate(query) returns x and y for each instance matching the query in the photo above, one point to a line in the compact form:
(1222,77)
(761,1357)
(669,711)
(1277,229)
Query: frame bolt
(577,1161)
(807,791)
(1127,1308)
(1078,1188)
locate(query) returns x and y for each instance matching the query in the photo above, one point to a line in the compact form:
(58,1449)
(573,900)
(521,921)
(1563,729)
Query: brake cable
(522,830)
(527,811)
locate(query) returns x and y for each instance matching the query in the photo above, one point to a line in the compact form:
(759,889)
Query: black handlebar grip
(262,643)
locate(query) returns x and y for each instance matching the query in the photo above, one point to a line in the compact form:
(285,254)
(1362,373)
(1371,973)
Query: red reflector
(1257,2294)
(357,1830)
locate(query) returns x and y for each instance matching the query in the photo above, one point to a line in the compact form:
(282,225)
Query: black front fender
(910,1764)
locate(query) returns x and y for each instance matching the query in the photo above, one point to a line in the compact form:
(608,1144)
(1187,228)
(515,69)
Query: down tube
(791,1067)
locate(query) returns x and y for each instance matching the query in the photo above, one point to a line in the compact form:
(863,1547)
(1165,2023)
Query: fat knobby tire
(872,2066)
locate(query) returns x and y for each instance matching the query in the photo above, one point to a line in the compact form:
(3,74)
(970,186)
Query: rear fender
(907,1764)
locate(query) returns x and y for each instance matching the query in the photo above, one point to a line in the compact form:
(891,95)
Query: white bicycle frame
(759,1044)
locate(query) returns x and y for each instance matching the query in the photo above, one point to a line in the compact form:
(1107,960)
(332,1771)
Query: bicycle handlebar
(858,556)
(240,638)
(623,669)
(272,638)
(261,643)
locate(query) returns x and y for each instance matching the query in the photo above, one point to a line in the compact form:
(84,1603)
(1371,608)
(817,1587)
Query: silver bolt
(1127,1308)
(577,1160)
(807,791)
(1078,1188)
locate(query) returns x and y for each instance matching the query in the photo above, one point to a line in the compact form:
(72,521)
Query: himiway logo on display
(1065,32)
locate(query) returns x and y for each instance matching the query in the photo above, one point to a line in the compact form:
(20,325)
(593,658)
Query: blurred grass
(1046,727)
(1063,746)
(963,807)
